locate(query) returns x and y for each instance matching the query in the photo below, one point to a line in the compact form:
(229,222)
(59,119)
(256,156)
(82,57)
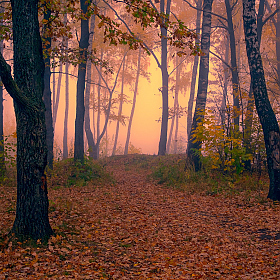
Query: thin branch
(88,81)
(271,16)
(270,11)
(177,66)
(146,46)
(220,58)
(214,14)
(153,5)
(110,98)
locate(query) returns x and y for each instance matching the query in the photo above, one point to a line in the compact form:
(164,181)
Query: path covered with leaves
(135,229)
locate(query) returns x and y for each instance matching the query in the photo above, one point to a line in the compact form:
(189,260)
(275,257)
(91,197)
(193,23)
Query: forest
(139,139)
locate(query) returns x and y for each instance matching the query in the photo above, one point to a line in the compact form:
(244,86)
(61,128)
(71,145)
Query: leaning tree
(266,115)
(26,89)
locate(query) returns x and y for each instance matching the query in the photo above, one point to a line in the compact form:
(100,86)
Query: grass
(170,171)
(69,173)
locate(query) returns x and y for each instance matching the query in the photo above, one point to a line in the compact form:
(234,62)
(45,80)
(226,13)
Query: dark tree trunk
(267,117)
(133,103)
(164,89)
(2,154)
(248,122)
(47,96)
(194,70)
(278,42)
(80,107)
(234,70)
(32,201)
(198,117)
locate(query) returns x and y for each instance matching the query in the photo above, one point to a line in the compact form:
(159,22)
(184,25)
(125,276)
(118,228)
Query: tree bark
(2,150)
(27,92)
(234,70)
(194,71)
(80,107)
(194,146)
(278,42)
(164,75)
(266,115)
(175,108)
(133,103)
(248,122)
(225,86)
(47,96)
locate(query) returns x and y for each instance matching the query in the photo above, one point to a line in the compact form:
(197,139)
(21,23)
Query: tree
(26,89)
(194,70)
(193,145)
(266,115)
(121,96)
(234,70)
(80,106)
(133,103)
(88,131)
(2,154)
(47,85)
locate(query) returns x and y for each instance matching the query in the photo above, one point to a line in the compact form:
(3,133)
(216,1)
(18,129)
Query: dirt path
(161,233)
(135,229)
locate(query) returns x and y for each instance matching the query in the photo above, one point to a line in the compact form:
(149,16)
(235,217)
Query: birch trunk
(266,115)
(194,146)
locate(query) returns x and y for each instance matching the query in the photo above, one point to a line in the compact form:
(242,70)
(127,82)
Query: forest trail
(136,229)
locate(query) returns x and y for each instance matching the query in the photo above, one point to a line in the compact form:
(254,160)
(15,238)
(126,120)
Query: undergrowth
(171,171)
(68,173)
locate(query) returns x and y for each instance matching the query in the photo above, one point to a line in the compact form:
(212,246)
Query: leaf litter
(136,229)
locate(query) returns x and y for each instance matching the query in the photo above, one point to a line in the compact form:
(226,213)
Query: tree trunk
(32,201)
(96,149)
(234,70)
(248,122)
(225,86)
(194,146)
(133,103)
(194,71)
(88,131)
(164,89)
(2,154)
(119,112)
(278,43)
(80,107)
(175,108)
(267,117)
(56,101)
(66,114)
(47,96)
(53,84)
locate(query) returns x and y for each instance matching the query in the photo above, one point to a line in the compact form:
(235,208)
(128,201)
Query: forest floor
(134,228)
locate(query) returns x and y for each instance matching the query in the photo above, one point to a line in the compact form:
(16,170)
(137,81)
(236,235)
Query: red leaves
(138,230)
